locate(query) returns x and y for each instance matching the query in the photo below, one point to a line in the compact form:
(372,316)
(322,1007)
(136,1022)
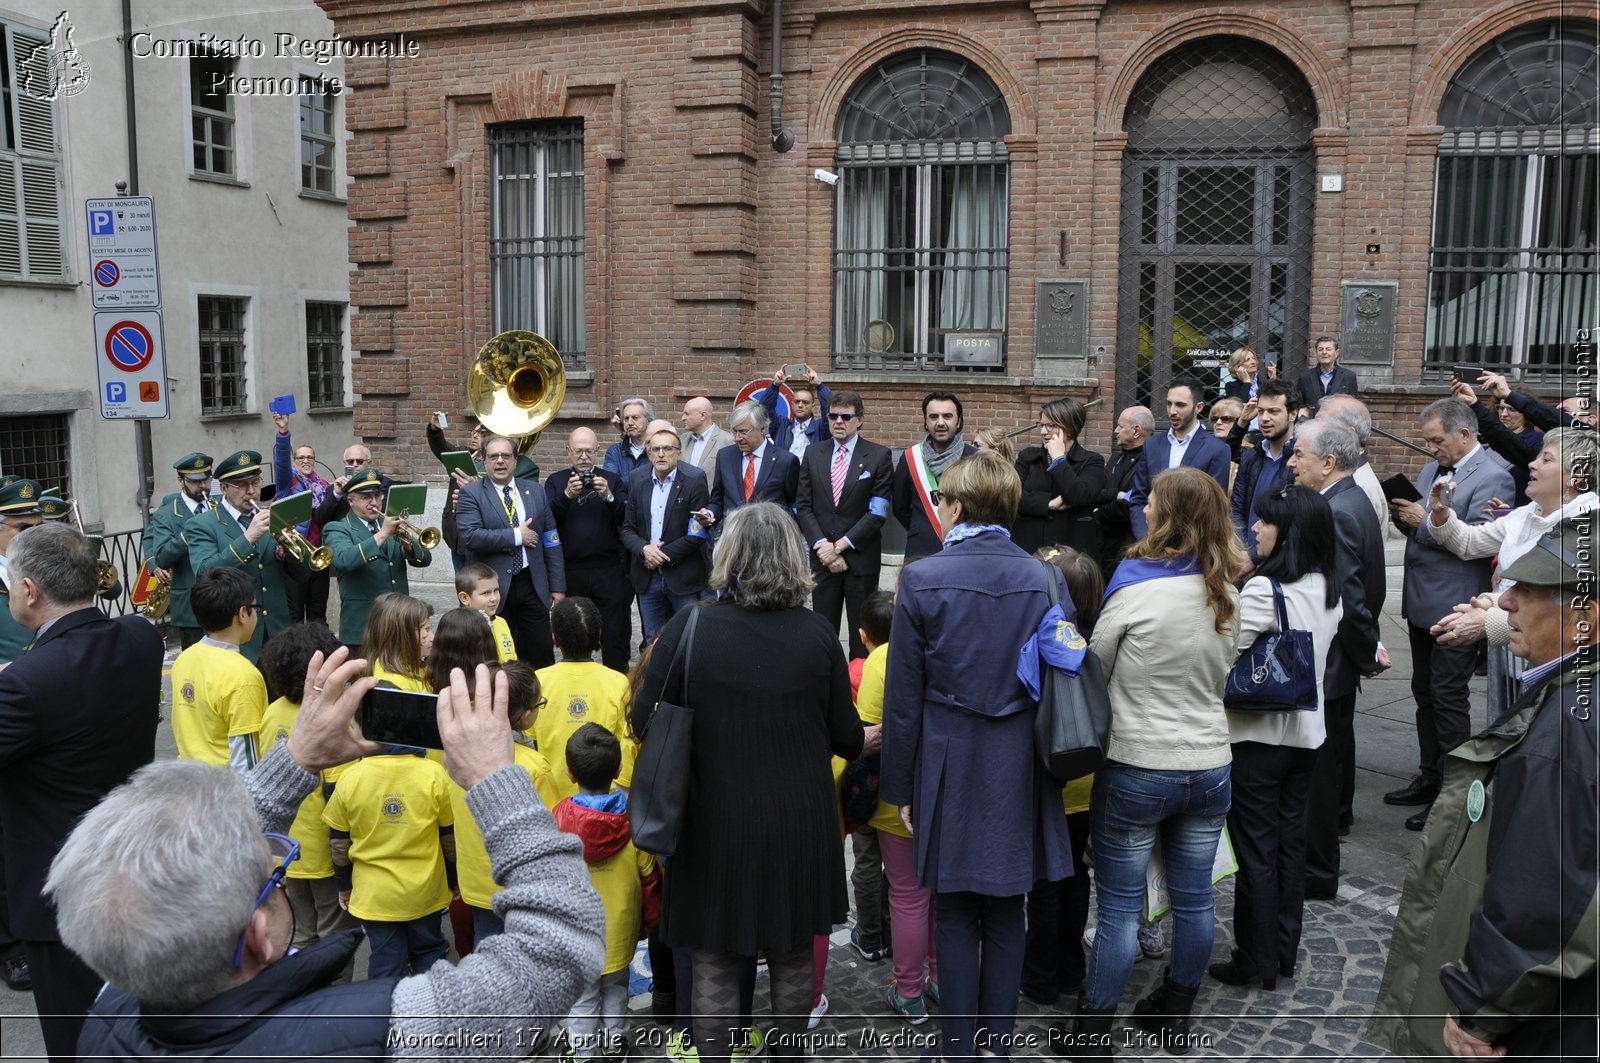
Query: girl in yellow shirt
(398,640)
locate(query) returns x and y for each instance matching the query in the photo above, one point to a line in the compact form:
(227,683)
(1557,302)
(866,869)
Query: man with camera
(588,507)
(335,504)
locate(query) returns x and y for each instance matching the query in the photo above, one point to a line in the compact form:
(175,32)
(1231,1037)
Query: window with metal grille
(536,236)
(32,201)
(318,139)
(921,231)
(1512,276)
(325,354)
(1217,193)
(222,353)
(35,446)
(211,116)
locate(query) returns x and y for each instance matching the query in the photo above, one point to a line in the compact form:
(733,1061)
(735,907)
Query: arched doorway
(1217,199)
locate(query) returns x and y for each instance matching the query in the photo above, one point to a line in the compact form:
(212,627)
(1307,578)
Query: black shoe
(1086,1035)
(663,1007)
(1321,893)
(1166,1013)
(1240,970)
(1421,791)
(1418,820)
(17,975)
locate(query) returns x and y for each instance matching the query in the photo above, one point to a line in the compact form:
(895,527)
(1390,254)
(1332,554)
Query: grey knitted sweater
(499,999)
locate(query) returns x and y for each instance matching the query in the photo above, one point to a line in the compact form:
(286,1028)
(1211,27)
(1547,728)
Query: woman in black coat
(1061,483)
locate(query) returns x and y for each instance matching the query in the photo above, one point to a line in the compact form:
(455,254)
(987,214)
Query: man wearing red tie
(842,504)
(754,469)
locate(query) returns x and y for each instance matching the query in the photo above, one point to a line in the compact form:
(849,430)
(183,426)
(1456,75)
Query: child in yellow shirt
(477,884)
(398,640)
(218,695)
(628,881)
(477,587)
(581,690)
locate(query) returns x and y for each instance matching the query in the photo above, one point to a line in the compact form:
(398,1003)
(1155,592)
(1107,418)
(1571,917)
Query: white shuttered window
(31,179)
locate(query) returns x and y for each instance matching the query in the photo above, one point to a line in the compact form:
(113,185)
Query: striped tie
(839,461)
(749,476)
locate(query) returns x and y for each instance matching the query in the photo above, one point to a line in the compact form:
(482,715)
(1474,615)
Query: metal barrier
(125,552)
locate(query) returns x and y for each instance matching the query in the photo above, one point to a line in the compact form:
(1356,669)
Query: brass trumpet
(298,547)
(108,572)
(409,533)
(159,601)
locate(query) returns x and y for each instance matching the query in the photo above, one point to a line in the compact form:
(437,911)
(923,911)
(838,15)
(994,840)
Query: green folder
(454,460)
(290,510)
(407,500)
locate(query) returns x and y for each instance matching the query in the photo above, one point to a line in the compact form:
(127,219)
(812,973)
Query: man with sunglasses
(335,504)
(191,931)
(842,504)
(78,716)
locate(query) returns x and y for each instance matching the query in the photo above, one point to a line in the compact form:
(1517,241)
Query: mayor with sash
(916,477)
(370,554)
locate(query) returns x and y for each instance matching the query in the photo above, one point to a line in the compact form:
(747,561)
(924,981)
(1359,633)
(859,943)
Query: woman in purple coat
(958,754)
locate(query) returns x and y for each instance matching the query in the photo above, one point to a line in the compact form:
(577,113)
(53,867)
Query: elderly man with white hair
(171,891)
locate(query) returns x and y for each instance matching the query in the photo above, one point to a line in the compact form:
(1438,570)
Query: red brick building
(1029,196)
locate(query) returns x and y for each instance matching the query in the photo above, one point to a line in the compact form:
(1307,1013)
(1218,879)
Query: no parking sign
(132,364)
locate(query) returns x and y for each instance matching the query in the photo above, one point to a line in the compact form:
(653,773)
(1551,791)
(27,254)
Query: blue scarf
(1131,571)
(963,532)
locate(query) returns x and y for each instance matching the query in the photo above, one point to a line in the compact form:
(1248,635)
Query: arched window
(921,247)
(1512,273)
(1217,206)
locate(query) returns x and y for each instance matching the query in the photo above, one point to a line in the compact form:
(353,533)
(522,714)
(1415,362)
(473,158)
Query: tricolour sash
(926,483)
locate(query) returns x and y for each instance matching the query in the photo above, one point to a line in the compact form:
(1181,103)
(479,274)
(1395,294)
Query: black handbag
(661,770)
(1278,673)
(1073,723)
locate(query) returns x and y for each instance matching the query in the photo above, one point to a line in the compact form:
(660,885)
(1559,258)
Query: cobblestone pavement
(1321,1013)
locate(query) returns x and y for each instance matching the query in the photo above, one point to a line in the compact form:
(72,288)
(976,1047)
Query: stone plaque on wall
(1366,323)
(1061,317)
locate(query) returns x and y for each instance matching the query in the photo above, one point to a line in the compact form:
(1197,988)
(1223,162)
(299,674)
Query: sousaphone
(516,386)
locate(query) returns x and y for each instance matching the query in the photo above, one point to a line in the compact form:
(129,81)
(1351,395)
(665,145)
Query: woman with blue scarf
(958,754)
(1165,641)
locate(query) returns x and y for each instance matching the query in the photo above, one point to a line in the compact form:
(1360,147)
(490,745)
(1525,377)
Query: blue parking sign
(116,391)
(101,223)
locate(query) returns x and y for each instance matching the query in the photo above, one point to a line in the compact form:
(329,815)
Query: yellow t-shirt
(414,683)
(576,693)
(505,647)
(473,874)
(869,706)
(393,806)
(217,694)
(277,724)
(619,879)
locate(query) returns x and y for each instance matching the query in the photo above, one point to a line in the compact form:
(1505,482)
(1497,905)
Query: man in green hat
(19,509)
(368,555)
(1496,926)
(165,548)
(238,534)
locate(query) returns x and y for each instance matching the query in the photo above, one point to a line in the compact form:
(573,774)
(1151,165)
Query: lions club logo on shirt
(577,708)
(187,693)
(394,806)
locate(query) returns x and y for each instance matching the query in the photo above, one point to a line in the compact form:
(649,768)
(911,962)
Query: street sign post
(122,247)
(132,364)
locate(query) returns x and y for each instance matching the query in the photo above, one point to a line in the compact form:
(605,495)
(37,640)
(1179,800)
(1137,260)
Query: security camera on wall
(825,176)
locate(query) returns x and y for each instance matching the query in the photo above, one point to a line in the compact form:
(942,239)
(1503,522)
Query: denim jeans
(411,947)
(1130,809)
(657,605)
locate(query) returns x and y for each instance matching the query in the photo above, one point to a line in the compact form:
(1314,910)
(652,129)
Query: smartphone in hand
(400,718)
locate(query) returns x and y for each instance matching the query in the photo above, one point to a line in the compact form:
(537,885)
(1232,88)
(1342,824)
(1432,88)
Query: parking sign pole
(141,430)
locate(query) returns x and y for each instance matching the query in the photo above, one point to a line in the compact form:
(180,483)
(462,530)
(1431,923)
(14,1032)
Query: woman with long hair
(1165,640)
(1274,752)
(463,641)
(1061,483)
(398,640)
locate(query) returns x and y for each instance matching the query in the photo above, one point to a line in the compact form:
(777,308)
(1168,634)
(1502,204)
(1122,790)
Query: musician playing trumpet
(238,534)
(370,554)
(164,547)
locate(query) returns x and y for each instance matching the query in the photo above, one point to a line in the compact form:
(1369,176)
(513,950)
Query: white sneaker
(1145,950)
(818,1012)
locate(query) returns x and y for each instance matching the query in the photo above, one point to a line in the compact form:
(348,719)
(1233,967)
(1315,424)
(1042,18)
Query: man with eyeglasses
(506,523)
(197,960)
(843,502)
(807,422)
(164,547)
(238,534)
(335,504)
(754,469)
(78,716)
(294,469)
(662,534)
(588,507)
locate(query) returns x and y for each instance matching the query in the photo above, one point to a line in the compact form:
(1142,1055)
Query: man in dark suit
(78,715)
(754,469)
(334,505)
(663,535)
(1186,442)
(1327,377)
(164,547)
(506,523)
(368,554)
(588,507)
(1134,427)
(843,502)
(1435,581)
(915,484)
(809,421)
(1325,458)
(1265,466)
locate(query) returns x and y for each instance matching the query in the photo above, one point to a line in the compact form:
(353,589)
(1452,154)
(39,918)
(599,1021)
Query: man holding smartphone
(334,504)
(808,422)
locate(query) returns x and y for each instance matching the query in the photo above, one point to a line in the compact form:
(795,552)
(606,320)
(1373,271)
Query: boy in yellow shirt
(392,839)
(309,883)
(628,881)
(581,690)
(477,587)
(477,884)
(218,695)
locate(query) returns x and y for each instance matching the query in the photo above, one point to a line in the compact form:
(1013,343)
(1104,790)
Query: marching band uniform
(365,568)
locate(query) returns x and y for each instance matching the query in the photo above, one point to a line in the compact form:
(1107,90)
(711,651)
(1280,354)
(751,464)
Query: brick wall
(708,255)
